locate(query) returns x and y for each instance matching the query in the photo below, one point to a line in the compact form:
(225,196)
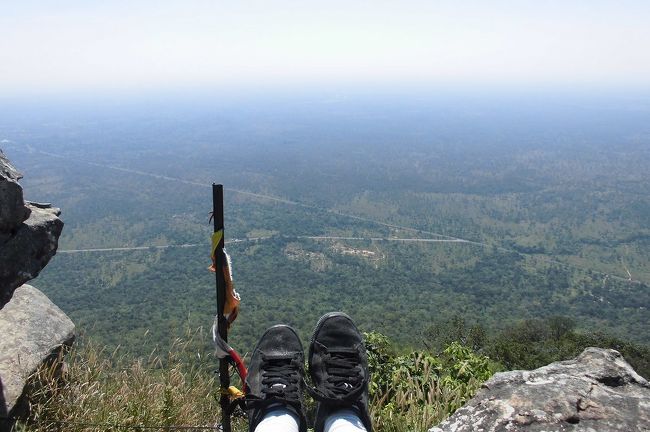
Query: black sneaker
(275,376)
(338,365)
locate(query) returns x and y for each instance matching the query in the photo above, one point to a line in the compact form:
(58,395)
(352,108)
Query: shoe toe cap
(337,330)
(280,340)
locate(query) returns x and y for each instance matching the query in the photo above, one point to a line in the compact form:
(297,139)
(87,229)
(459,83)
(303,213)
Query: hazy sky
(90,44)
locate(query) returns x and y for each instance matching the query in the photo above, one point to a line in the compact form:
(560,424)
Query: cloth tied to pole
(231,306)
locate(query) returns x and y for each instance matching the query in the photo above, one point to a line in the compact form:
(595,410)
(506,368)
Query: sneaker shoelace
(280,379)
(344,382)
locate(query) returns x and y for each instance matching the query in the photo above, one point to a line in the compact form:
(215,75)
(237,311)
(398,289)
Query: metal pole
(224,373)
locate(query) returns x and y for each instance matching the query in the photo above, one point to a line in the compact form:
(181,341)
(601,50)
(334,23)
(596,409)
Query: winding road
(254,239)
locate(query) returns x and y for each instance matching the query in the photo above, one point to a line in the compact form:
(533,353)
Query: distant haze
(84,45)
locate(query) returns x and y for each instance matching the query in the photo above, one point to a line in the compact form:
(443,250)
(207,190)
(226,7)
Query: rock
(28,250)
(29,233)
(597,391)
(32,328)
(12,208)
(33,331)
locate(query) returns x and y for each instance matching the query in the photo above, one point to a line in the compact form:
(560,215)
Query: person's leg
(344,420)
(275,383)
(338,366)
(279,420)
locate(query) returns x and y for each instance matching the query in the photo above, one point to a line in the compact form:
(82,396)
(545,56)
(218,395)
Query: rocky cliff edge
(33,330)
(29,233)
(596,391)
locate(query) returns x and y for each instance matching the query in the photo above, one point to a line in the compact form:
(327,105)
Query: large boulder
(33,330)
(28,249)
(29,233)
(12,207)
(597,391)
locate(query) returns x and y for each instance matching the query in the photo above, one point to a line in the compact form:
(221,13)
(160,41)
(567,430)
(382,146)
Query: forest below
(412,217)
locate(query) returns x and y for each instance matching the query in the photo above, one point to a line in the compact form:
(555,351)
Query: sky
(85,45)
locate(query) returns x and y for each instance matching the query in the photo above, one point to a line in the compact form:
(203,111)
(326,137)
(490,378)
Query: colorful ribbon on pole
(231,309)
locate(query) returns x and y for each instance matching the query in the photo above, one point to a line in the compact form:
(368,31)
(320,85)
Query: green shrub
(414,391)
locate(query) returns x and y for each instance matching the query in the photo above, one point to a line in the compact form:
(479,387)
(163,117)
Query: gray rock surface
(29,249)
(12,207)
(597,391)
(29,233)
(33,330)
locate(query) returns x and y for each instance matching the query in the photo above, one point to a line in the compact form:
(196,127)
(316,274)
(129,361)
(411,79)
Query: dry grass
(96,391)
